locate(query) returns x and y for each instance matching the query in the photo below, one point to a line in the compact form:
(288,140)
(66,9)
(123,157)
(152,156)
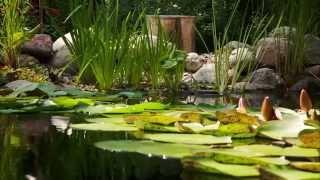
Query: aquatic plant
(13,32)
(249,33)
(115,52)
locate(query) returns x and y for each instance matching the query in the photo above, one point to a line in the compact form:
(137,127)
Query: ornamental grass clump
(111,50)
(12,32)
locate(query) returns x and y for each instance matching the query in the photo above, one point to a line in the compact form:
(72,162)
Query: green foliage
(108,48)
(12,31)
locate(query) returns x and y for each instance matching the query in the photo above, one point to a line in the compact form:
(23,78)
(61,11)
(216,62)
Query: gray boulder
(193,63)
(283,32)
(206,74)
(262,79)
(313,71)
(272,51)
(312,50)
(26,60)
(242,55)
(235,45)
(62,55)
(308,83)
(40,47)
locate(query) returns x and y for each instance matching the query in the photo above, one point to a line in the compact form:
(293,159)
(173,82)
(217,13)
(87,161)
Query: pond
(43,146)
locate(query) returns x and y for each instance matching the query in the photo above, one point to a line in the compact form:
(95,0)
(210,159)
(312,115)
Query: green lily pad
(199,128)
(146,126)
(111,109)
(306,166)
(151,106)
(150,148)
(274,172)
(271,150)
(110,127)
(67,102)
(310,138)
(188,138)
(291,125)
(211,166)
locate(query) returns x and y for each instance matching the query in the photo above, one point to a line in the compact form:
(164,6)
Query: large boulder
(40,46)
(312,50)
(193,63)
(272,52)
(206,74)
(235,45)
(313,71)
(62,55)
(242,55)
(262,80)
(283,32)
(308,83)
(26,60)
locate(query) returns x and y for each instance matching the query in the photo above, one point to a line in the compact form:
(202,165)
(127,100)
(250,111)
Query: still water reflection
(43,147)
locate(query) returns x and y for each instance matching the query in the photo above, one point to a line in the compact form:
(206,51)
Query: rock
(244,55)
(312,50)
(62,55)
(283,32)
(313,71)
(206,58)
(262,79)
(272,52)
(193,63)
(235,45)
(205,74)
(27,60)
(40,47)
(308,83)
(17,84)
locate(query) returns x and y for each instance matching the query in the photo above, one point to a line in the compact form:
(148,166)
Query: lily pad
(310,138)
(307,166)
(274,172)
(291,125)
(67,102)
(188,138)
(151,106)
(146,126)
(111,109)
(110,127)
(211,166)
(150,148)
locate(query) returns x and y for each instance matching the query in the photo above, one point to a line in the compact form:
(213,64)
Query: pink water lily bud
(242,107)
(267,110)
(305,101)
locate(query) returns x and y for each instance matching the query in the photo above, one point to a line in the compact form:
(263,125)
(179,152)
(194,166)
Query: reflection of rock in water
(62,124)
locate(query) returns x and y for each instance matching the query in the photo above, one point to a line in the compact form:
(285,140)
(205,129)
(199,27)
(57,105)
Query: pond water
(42,146)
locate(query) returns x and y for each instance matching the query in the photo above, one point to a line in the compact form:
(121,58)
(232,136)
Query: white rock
(193,62)
(240,55)
(62,55)
(205,74)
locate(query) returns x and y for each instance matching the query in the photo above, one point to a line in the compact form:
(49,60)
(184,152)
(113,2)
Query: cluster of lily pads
(212,139)
(222,139)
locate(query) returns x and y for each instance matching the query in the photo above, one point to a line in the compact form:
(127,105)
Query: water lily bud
(241,106)
(267,110)
(305,101)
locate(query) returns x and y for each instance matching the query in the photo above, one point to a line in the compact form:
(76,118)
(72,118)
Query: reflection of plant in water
(9,154)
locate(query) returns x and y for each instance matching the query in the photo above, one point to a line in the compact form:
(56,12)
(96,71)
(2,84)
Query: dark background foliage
(55,12)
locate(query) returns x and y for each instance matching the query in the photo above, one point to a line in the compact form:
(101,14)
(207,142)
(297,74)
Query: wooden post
(180,29)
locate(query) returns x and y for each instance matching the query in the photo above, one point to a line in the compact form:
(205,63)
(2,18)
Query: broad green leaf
(291,125)
(199,128)
(146,126)
(211,166)
(150,148)
(110,127)
(306,166)
(236,130)
(188,138)
(151,106)
(111,109)
(67,102)
(310,138)
(274,172)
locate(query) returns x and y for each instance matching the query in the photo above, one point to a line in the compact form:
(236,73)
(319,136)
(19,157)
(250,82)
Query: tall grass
(303,17)
(115,52)
(249,34)
(13,32)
